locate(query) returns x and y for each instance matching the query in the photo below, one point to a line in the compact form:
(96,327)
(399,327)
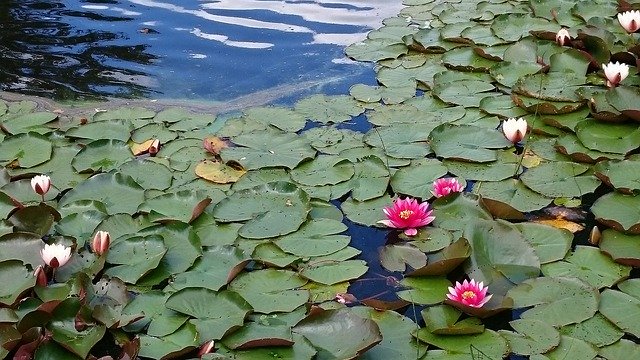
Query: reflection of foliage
(44,55)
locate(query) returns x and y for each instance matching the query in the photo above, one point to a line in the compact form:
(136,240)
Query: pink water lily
(445,186)
(563,37)
(407,214)
(514,129)
(630,20)
(41,184)
(55,255)
(615,73)
(469,293)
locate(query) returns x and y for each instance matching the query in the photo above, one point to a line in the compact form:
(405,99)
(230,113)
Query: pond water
(183,49)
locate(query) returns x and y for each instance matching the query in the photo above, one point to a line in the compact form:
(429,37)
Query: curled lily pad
(274,209)
(623,248)
(622,212)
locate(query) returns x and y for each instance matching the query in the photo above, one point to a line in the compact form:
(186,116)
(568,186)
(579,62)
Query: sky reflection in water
(182,49)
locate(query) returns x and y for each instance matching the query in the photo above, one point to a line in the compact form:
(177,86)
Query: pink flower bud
(100,243)
(154,147)
(41,276)
(206,348)
(41,184)
(563,37)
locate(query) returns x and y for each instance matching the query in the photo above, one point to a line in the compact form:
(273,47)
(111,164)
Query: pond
(197,50)
(476,196)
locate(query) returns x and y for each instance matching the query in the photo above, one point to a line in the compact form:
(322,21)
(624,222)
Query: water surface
(182,49)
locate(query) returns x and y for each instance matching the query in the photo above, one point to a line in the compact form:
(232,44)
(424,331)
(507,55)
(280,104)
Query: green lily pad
(489,343)
(271,290)
(623,349)
(570,347)
(625,99)
(445,320)
(315,238)
(366,212)
(330,273)
(623,248)
(17,278)
(323,170)
(507,73)
(557,301)
(417,179)
(375,50)
(532,337)
(267,149)
(622,175)
(370,180)
(98,130)
(80,226)
(619,211)
(449,210)
(101,155)
(468,93)
(352,334)
(158,320)
(405,141)
(255,334)
(282,118)
(445,261)
(493,259)
(425,290)
(590,265)
(119,193)
(217,266)
(181,206)
(467,142)
(182,341)
(560,179)
(135,257)
(21,147)
(329,109)
(607,137)
(513,193)
(396,257)
(397,342)
(29,122)
(597,331)
(64,331)
(215,313)
(269,210)
(550,244)
(570,145)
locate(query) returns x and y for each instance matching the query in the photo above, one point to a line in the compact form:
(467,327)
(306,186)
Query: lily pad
(101,155)
(20,148)
(119,193)
(467,142)
(532,337)
(557,301)
(619,211)
(607,137)
(560,179)
(623,248)
(135,257)
(269,210)
(271,290)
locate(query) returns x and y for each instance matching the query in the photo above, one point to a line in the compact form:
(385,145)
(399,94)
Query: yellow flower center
(468,295)
(405,214)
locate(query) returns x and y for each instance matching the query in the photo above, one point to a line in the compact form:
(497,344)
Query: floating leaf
(215,313)
(21,147)
(590,265)
(271,290)
(217,266)
(467,142)
(323,170)
(550,243)
(352,334)
(315,238)
(425,290)
(623,248)
(118,192)
(597,330)
(101,155)
(330,273)
(489,343)
(621,212)
(16,279)
(560,179)
(607,137)
(269,210)
(135,257)
(556,301)
(532,337)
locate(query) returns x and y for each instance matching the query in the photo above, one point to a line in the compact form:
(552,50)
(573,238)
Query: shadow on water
(43,54)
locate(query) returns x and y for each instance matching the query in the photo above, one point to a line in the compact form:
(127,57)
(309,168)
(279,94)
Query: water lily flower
(615,73)
(41,184)
(407,214)
(41,276)
(630,20)
(55,255)
(154,147)
(469,293)
(563,37)
(206,348)
(514,129)
(100,243)
(445,186)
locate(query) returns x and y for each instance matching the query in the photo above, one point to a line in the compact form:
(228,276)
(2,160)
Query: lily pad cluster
(229,235)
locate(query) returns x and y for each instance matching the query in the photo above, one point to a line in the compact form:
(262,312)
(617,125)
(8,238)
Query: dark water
(182,49)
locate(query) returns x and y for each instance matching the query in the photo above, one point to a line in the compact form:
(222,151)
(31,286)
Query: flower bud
(100,243)
(41,184)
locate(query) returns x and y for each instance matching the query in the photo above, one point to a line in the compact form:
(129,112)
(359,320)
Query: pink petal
(411,232)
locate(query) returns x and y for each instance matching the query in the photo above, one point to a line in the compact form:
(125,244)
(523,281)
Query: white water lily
(630,20)
(514,129)
(41,184)
(615,73)
(55,255)
(563,37)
